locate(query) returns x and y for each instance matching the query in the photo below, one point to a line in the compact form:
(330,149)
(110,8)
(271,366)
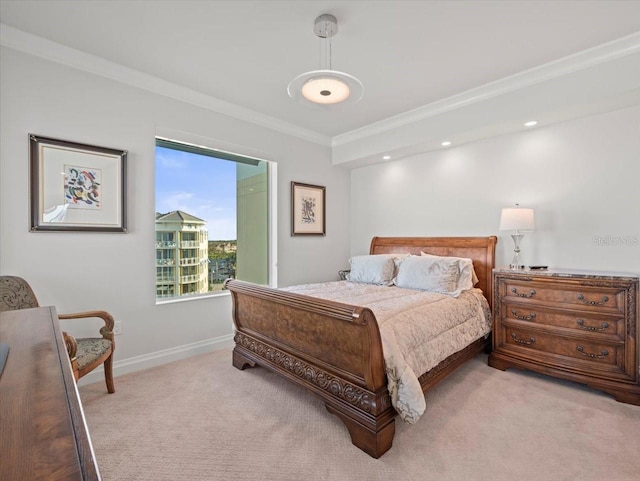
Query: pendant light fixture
(326,86)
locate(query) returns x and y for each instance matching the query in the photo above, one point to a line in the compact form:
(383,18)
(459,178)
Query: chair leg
(108,374)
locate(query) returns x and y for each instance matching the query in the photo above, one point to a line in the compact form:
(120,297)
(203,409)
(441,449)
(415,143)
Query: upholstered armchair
(85,354)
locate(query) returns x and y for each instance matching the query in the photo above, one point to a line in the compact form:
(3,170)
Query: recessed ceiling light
(446,143)
(531,123)
(386,157)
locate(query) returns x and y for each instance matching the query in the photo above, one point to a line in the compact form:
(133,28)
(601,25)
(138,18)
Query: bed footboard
(332,349)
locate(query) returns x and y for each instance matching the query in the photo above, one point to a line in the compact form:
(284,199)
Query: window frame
(235,153)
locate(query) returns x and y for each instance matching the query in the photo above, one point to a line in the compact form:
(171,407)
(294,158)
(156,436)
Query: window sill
(208,295)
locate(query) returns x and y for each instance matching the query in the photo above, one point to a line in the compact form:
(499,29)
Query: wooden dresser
(576,325)
(43,435)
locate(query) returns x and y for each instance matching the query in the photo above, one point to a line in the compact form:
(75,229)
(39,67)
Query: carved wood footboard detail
(333,385)
(368,416)
(241,362)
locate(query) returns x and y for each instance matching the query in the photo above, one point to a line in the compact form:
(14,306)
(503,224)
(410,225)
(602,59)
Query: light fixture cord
(324,54)
(326,50)
(330,52)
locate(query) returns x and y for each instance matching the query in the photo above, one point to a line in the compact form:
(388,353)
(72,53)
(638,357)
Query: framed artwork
(76,187)
(307,209)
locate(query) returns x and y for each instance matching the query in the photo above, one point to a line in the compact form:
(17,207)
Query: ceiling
(408,54)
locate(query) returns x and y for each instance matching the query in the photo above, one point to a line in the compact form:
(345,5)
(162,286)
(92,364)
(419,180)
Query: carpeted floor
(202,419)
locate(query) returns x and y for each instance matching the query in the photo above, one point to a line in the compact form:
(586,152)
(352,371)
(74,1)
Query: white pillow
(468,277)
(373,269)
(429,273)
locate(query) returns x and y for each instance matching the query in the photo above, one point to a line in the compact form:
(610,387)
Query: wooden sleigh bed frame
(334,349)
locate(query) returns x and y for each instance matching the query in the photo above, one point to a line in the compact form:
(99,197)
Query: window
(164,274)
(212,219)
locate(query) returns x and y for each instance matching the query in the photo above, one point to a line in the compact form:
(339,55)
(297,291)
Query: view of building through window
(211,219)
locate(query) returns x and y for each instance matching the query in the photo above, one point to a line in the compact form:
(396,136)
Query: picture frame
(76,187)
(308,206)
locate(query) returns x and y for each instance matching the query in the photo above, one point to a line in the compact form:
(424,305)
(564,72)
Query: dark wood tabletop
(43,435)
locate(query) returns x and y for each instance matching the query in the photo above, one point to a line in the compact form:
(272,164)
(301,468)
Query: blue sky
(198,185)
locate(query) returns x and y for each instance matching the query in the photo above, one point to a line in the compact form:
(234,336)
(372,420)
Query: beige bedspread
(418,329)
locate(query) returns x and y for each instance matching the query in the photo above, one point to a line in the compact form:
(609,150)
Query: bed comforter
(418,330)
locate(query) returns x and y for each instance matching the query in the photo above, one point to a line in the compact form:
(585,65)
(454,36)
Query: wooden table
(43,434)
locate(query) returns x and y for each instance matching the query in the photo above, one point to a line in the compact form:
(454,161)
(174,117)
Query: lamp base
(515,263)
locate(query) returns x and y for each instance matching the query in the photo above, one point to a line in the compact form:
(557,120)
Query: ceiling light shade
(326,86)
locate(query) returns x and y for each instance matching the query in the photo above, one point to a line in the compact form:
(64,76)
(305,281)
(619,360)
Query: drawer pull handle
(604,325)
(602,354)
(515,291)
(593,303)
(530,317)
(523,341)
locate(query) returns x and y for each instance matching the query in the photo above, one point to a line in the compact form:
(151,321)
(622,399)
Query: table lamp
(518,220)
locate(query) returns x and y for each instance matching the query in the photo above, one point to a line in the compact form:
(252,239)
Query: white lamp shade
(517,219)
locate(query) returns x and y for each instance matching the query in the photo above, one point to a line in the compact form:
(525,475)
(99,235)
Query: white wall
(582,178)
(116,272)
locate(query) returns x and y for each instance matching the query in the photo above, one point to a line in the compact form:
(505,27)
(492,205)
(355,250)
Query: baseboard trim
(157,358)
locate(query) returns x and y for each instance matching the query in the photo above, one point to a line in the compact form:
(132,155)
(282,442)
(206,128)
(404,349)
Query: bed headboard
(481,250)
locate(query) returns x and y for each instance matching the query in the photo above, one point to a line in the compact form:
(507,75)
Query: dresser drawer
(604,299)
(608,327)
(586,355)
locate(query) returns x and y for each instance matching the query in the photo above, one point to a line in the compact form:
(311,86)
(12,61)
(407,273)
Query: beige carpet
(202,419)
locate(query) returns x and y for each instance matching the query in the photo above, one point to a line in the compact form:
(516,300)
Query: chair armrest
(106,331)
(104,315)
(72,349)
(72,345)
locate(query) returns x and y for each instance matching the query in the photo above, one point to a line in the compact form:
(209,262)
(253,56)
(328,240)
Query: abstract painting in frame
(307,209)
(76,187)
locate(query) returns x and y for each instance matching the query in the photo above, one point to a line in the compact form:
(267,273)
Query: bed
(335,349)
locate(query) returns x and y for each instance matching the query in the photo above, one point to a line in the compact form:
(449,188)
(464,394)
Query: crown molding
(606,52)
(13,38)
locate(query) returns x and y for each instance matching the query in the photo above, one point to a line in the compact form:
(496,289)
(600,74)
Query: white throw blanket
(418,329)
